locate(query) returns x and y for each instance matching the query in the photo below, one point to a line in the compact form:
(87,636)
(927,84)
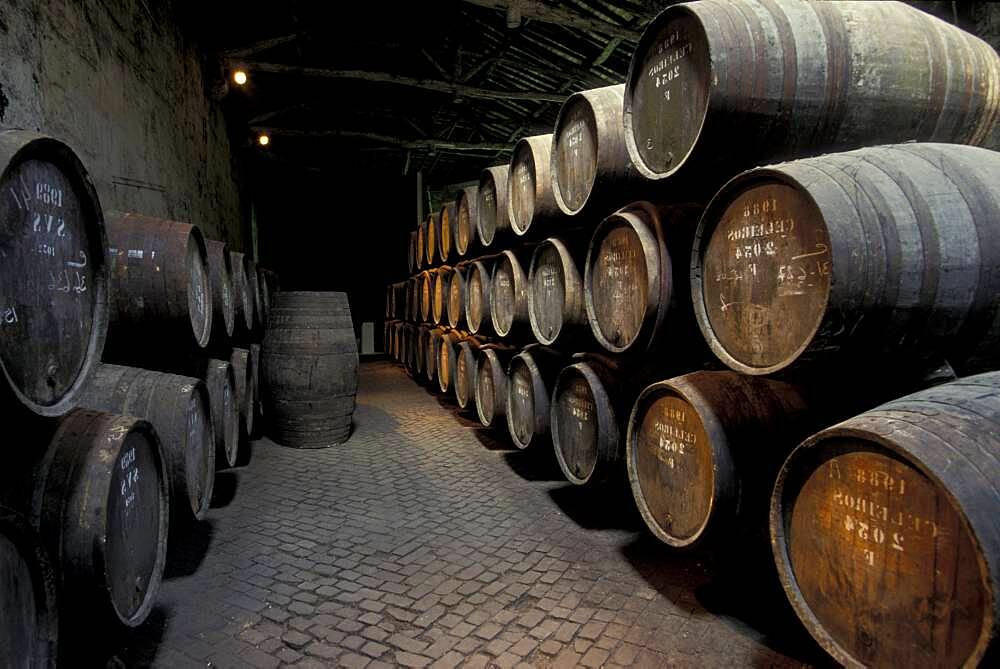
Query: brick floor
(426,542)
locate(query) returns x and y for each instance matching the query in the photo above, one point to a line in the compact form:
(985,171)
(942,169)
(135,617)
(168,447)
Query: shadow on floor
(245,452)
(537,463)
(224,490)
(608,506)
(187,547)
(493,438)
(96,645)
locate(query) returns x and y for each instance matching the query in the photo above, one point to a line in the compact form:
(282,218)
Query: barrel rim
(465,196)
(528,145)
(599,394)
(479,267)
(538,395)
(707,224)
(448,211)
(491,175)
(458,272)
(580,97)
(517,276)
(634,74)
(566,261)
(25,146)
(486,355)
(228,315)
(789,482)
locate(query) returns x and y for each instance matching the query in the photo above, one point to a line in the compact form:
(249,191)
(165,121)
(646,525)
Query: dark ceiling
(441,86)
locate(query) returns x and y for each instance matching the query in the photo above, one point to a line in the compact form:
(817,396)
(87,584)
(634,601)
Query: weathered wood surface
(531,377)
(492,217)
(530,201)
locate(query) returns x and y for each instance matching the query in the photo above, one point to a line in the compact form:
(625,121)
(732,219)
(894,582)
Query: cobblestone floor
(425,541)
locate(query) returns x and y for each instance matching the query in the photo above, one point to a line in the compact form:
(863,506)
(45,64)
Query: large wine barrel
(411,253)
(220,381)
(492,218)
(447,222)
(491,384)
(53,278)
(440,280)
(179,409)
(591,171)
(425,289)
(309,365)
(848,256)
(636,278)
(716,87)
(466,233)
(431,238)
(555,291)
(161,289)
(465,371)
(456,296)
(447,355)
(421,250)
(29,617)
(478,314)
(220,280)
(432,354)
(704,448)
(508,294)
(245,376)
(101,506)
(243,298)
(531,377)
(530,202)
(884,530)
(421,342)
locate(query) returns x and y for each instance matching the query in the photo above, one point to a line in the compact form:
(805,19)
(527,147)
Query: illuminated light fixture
(240,77)
(263,139)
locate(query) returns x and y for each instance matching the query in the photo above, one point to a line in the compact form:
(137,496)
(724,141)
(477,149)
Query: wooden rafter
(556,15)
(406,143)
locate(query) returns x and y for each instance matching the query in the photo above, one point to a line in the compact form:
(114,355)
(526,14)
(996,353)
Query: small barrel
(717,87)
(492,218)
(466,359)
(555,291)
(245,376)
(703,450)
(447,222)
(456,296)
(179,410)
(426,293)
(884,530)
(636,278)
(421,249)
(440,280)
(531,378)
(491,384)
(309,367)
(54,278)
(478,314)
(243,298)
(530,202)
(845,257)
(431,238)
(101,507)
(159,270)
(466,232)
(508,294)
(29,624)
(592,174)
(447,354)
(411,253)
(220,280)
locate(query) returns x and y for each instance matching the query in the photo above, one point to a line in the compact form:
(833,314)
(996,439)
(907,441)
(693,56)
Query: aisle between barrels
(427,541)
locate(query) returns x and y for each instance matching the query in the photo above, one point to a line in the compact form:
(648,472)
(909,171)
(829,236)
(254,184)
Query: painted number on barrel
(130,482)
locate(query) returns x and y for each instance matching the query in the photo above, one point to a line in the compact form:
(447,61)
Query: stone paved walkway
(425,541)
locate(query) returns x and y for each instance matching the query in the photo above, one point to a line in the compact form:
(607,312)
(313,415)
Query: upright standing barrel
(220,280)
(491,383)
(161,286)
(555,291)
(179,410)
(530,202)
(101,506)
(876,253)
(509,294)
(29,617)
(717,87)
(884,530)
(54,275)
(467,208)
(243,298)
(447,222)
(492,218)
(478,314)
(309,363)
(531,377)
(592,174)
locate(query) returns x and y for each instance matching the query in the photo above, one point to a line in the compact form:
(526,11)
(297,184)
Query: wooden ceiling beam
(257,47)
(558,16)
(406,143)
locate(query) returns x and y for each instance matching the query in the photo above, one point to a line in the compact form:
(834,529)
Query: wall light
(263,140)
(240,77)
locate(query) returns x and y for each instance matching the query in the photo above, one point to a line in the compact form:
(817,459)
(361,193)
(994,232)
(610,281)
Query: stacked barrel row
(757,351)
(108,458)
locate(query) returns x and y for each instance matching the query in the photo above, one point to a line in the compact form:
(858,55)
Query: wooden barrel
(530,202)
(747,82)
(431,355)
(508,295)
(246,378)
(253,280)
(845,257)
(555,291)
(421,249)
(491,384)
(179,409)
(456,296)
(29,619)
(257,386)
(636,278)
(431,238)
(447,357)
(884,530)
(492,218)
(54,275)
(265,295)
(220,280)
(161,289)
(220,381)
(478,314)
(440,280)
(466,360)
(101,507)
(411,339)
(243,298)
(591,171)
(447,223)
(309,368)
(411,253)
(703,449)
(425,285)
(531,378)
(466,232)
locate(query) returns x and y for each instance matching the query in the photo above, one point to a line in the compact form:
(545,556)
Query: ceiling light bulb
(240,77)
